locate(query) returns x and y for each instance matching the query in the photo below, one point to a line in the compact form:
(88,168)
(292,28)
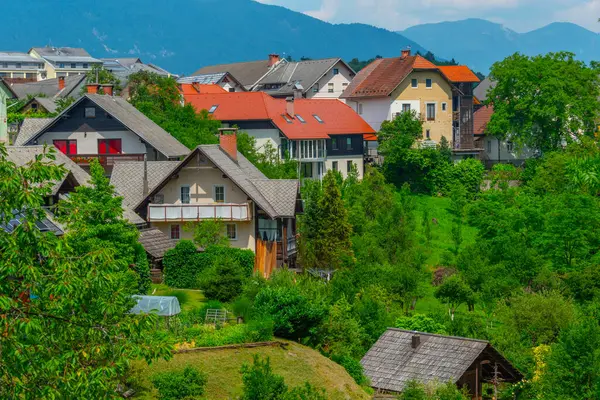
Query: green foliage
(99,74)
(357,64)
(159,99)
(352,366)
(417,391)
(306,392)
(260,383)
(543,101)
(208,233)
(187,384)
(421,323)
(267,158)
(454,292)
(340,334)
(223,281)
(74,335)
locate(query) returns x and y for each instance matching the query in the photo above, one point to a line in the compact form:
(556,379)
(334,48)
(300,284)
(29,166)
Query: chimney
(289,107)
(416,340)
(406,52)
(298,90)
(228,141)
(92,88)
(61,82)
(146,188)
(273,59)
(196,86)
(108,89)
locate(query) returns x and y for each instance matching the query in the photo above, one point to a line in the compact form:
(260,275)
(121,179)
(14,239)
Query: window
(428,134)
(405,107)
(307,170)
(175,232)
(360,108)
(509,147)
(489,146)
(86,65)
(349,165)
(4,65)
(334,165)
(348,143)
(428,83)
(185,195)
(219,193)
(213,109)
(231,90)
(336,71)
(61,65)
(34,106)
(334,144)
(444,106)
(319,120)
(330,88)
(90,112)
(300,119)
(414,83)
(287,119)
(68,147)
(41,66)
(430,111)
(232,231)
(109,146)
(316,88)
(73,65)
(345,85)
(18,65)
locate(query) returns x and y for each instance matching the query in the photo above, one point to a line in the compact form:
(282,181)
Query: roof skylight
(300,118)
(318,119)
(213,109)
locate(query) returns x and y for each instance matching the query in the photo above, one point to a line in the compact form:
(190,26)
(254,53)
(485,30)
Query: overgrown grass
(188,299)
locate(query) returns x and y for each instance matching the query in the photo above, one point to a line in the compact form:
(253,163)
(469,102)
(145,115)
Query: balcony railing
(105,159)
(198,212)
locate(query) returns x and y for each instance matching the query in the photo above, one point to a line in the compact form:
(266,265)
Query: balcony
(198,212)
(105,159)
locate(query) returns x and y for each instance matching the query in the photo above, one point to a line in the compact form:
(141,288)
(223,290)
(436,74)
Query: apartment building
(20,66)
(64,61)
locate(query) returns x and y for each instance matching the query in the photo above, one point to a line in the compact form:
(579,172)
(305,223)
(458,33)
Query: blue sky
(518,15)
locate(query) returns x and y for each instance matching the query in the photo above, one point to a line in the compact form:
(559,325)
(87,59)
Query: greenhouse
(165,306)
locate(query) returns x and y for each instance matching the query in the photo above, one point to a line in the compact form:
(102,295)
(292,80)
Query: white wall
(497,150)
(338,81)
(263,136)
(374,111)
(87,142)
(415,105)
(343,164)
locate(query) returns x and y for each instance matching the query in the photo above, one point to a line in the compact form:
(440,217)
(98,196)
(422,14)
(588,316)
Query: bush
(244,258)
(353,367)
(222,281)
(186,384)
(260,383)
(306,392)
(468,173)
(421,323)
(182,266)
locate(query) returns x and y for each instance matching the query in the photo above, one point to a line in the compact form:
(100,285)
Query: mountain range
(184,35)
(479,43)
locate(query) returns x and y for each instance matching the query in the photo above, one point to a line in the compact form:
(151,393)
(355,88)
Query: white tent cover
(165,306)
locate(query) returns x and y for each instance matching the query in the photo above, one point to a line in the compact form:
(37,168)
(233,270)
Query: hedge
(184,264)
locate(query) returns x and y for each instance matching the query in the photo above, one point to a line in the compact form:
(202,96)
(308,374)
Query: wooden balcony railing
(105,159)
(198,212)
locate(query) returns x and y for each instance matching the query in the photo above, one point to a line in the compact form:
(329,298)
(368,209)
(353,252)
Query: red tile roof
(188,88)
(382,76)
(337,117)
(481,118)
(458,73)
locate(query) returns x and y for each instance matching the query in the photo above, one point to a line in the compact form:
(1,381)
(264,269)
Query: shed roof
(50,88)
(247,73)
(459,73)
(156,242)
(49,104)
(392,362)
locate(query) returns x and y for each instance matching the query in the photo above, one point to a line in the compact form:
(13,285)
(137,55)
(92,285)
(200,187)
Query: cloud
(585,14)
(101,37)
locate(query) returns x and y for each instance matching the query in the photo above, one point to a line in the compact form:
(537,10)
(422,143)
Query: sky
(518,15)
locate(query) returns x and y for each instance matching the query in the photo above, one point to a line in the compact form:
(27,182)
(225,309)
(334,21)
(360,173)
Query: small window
(175,232)
(319,120)
(336,71)
(41,66)
(219,194)
(61,65)
(287,119)
(307,170)
(330,87)
(345,84)
(431,112)
(349,165)
(185,195)
(348,143)
(428,83)
(73,65)
(232,231)
(34,106)
(444,106)
(405,107)
(360,108)
(86,65)
(316,88)
(18,65)
(334,144)
(509,147)
(4,65)
(428,134)
(231,90)
(300,119)
(489,146)
(414,83)
(90,112)
(334,165)
(213,109)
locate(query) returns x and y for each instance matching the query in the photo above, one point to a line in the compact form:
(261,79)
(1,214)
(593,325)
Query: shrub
(244,258)
(468,172)
(222,281)
(186,384)
(420,323)
(353,367)
(259,330)
(306,392)
(260,383)
(182,265)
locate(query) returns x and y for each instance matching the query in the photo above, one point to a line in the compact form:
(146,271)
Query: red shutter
(114,146)
(61,145)
(102,147)
(72,147)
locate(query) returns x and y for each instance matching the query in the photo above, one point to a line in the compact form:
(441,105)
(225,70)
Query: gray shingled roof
(281,193)
(482,89)
(29,128)
(67,54)
(49,88)
(156,242)
(49,104)
(128,178)
(392,362)
(21,155)
(247,73)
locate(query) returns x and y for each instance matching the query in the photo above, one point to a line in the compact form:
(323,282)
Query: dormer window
(319,120)
(213,109)
(300,119)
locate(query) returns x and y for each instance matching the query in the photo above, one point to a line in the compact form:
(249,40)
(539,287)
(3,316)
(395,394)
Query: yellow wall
(441,92)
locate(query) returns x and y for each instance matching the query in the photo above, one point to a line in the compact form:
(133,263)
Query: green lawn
(188,299)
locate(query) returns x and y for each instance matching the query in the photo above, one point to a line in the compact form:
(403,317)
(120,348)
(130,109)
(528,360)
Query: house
(441,96)
(216,182)
(6,93)
(324,78)
(481,91)
(401,356)
(224,79)
(54,89)
(39,104)
(107,128)
(63,61)
(16,66)
(123,66)
(320,134)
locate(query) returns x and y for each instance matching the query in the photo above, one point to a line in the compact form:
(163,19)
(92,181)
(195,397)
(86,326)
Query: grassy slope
(441,241)
(297,365)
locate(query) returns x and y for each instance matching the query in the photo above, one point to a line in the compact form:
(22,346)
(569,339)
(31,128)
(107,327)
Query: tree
(94,215)
(63,313)
(267,159)
(543,102)
(454,292)
(99,74)
(260,383)
(209,233)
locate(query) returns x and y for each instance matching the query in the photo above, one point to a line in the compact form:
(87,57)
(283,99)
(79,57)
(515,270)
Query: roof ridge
(438,335)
